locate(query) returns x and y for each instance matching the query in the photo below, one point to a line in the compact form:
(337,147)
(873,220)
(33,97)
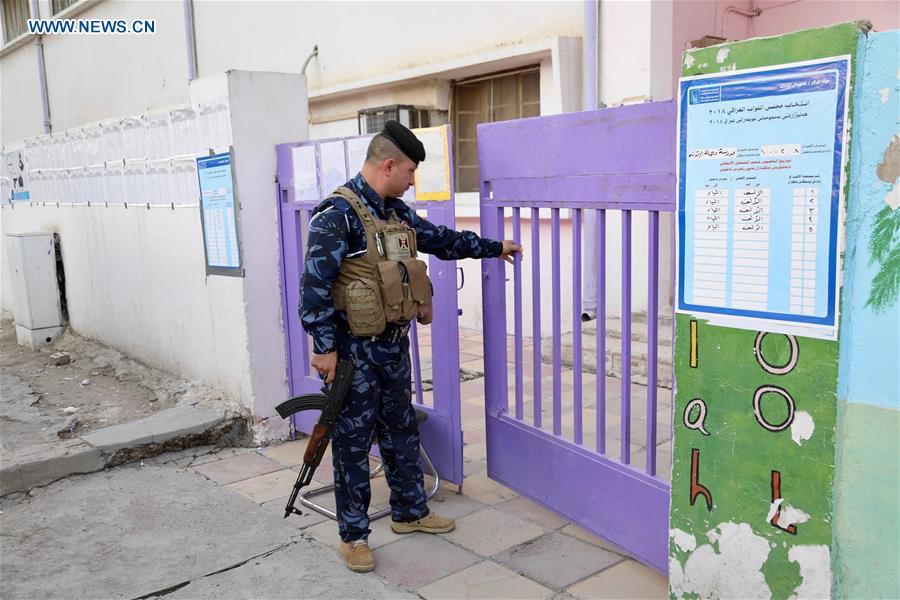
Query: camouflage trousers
(379,404)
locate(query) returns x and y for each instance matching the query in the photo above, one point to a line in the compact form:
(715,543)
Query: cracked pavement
(159,529)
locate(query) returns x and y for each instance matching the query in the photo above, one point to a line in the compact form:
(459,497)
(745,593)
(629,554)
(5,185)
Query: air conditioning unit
(372,120)
(36,302)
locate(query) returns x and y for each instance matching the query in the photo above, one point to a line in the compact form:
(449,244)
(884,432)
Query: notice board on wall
(319,167)
(218,214)
(760,196)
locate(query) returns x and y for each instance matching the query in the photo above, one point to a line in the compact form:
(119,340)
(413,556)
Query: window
(372,120)
(489,99)
(61,5)
(15,19)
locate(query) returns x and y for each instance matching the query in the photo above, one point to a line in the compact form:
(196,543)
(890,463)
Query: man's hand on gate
(325,364)
(510,248)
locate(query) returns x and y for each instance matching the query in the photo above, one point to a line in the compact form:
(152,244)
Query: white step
(614,349)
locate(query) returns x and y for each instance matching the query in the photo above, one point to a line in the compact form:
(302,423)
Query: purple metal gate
(434,348)
(615,160)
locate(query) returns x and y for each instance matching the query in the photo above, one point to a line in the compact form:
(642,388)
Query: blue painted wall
(866,556)
(870,339)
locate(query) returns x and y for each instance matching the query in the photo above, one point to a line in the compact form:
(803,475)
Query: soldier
(361,286)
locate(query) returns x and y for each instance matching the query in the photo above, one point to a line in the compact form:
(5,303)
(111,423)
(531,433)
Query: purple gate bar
(536,312)
(625,451)
(619,159)
(517,291)
(557,322)
(601,331)
(576,325)
(652,335)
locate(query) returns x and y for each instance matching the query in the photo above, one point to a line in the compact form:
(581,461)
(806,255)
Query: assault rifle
(329,402)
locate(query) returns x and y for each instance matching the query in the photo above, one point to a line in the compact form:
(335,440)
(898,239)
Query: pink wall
(884,15)
(692,19)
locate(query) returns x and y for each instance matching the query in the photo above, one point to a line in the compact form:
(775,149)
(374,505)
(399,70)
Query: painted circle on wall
(757,407)
(777,369)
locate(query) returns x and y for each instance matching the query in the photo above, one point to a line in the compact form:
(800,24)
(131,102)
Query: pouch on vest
(391,290)
(364,307)
(420,289)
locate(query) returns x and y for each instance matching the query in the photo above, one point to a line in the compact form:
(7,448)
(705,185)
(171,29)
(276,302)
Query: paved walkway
(504,546)
(207,523)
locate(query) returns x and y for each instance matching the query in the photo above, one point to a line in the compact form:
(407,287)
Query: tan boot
(357,556)
(431,523)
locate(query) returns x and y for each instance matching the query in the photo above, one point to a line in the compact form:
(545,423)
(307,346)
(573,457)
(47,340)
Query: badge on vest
(396,245)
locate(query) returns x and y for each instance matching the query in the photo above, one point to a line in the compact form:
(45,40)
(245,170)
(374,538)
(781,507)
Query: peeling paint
(888,170)
(884,93)
(815,571)
(746,556)
(685,541)
(802,428)
(733,572)
(722,54)
(789,515)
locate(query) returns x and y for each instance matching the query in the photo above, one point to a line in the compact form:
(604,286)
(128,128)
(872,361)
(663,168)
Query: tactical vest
(388,284)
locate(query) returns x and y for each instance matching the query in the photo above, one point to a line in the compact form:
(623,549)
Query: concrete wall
(132,74)
(136,277)
(867,478)
(726,546)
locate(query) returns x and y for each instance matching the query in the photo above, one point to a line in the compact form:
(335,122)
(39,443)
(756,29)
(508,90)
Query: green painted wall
(733,550)
(867,502)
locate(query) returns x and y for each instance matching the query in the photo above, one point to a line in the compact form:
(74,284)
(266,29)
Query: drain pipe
(754,12)
(42,70)
(590,48)
(189,38)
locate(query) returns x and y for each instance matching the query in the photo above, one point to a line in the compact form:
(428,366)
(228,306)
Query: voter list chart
(217,206)
(760,193)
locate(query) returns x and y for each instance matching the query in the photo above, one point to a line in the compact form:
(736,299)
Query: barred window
(489,99)
(60,5)
(372,120)
(15,19)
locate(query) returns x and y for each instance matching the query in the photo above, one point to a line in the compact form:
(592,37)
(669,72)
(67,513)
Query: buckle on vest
(392,335)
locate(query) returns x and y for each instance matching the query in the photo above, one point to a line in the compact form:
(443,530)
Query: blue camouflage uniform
(380,398)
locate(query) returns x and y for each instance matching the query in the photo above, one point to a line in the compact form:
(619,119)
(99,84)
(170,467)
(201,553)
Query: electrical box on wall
(36,302)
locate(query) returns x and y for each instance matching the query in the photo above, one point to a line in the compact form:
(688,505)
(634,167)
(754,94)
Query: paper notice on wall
(218,215)
(333,166)
(356,152)
(306,181)
(433,174)
(760,196)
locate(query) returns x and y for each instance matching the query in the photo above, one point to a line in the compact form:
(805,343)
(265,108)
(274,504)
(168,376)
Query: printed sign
(760,196)
(217,214)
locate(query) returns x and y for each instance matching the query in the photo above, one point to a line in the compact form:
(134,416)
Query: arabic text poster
(217,206)
(760,196)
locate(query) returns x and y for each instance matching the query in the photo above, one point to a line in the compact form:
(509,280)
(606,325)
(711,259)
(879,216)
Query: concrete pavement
(162,530)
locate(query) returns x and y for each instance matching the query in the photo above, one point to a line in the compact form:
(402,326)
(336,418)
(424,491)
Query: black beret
(405,140)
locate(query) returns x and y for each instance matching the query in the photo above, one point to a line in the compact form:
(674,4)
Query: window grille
(488,99)
(372,120)
(15,19)
(60,5)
